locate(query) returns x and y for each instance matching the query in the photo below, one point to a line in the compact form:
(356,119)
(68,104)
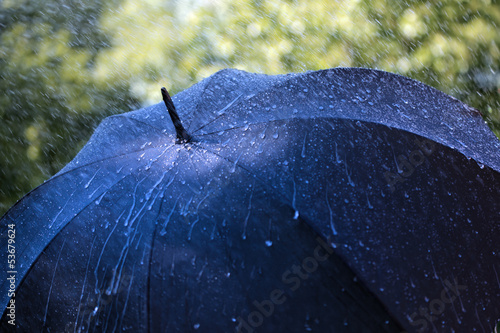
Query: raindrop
(337,157)
(91,179)
(349,180)
(303,153)
(150,191)
(196,326)
(276,134)
(306,90)
(191,229)
(98,201)
(269,243)
(244,236)
(263,134)
(332,227)
(426,115)
(368,201)
(293,201)
(260,149)
(233,168)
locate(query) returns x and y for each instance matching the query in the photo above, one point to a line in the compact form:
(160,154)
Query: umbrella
(342,200)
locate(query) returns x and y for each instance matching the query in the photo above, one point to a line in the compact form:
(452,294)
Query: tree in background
(65,65)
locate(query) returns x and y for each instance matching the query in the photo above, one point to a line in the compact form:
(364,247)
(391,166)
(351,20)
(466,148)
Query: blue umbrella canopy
(346,200)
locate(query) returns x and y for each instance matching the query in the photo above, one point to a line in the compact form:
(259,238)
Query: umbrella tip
(182,135)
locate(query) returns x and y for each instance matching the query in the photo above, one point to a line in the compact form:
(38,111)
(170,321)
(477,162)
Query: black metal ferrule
(182,135)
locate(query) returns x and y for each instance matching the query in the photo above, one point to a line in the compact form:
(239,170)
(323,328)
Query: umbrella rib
(56,176)
(83,208)
(71,170)
(148,291)
(102,160)
(67,223)
(71,219)
(209,80)
(220,113)
(60,230)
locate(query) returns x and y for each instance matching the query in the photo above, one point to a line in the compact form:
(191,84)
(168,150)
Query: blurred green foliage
(65,65)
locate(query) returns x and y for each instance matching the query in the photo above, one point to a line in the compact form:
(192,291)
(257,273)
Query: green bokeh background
(67,64)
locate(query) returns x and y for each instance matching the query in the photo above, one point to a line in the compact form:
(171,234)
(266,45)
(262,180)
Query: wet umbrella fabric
(141,233)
